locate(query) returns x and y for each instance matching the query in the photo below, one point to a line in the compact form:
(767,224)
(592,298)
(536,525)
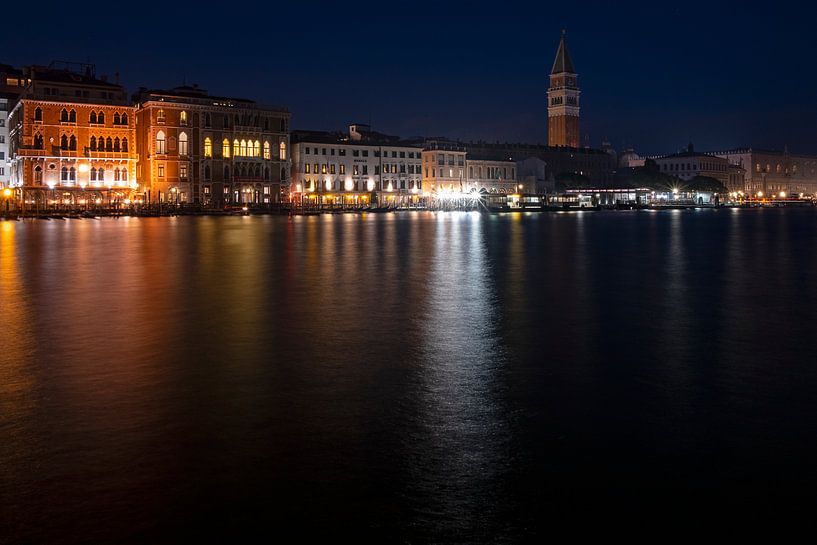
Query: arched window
(64,142)
(64,115)
(64,174)
(283,151)
(266,150)
(124,119)
(93,143)
(72,174)
(38,174)
(183,143)
(124,174)
(92,118)
(109,144)
(243,148)
(116,120)
(116,175)
(256,152)
(236,148)
(207,172)
(100,176)
(93,174)
(72,143)
(72,116)
(160,142)
(116,146)
(226,174)
(124,144)
(208,147)
(160,116)
(38,141)
(101,118)
(183,118)
(38,114)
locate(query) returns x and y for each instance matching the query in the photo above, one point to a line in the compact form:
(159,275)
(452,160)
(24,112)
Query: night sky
(652,76)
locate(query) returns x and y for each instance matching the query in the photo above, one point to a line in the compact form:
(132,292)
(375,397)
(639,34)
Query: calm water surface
(415,377)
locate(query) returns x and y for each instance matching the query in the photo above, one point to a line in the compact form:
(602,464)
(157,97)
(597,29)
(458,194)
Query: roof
(187,94)
(341,138)
(563,63)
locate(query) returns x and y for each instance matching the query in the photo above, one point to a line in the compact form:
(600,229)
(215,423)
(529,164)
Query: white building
(5,160)
(359,168)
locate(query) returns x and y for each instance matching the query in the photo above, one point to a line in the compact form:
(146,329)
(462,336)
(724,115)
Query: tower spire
(563,100)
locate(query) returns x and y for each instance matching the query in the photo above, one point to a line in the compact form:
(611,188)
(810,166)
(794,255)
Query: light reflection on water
(449,377)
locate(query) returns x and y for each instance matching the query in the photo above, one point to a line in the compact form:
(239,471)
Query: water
(415,377)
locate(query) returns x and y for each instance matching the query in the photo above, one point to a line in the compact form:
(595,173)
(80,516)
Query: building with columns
(196,148)
(772,172)
(563,100)
(72,138)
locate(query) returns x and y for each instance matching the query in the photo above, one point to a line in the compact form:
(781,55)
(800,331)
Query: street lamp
(7,195)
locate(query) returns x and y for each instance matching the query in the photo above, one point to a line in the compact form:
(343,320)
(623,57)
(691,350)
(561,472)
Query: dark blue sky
(652,75)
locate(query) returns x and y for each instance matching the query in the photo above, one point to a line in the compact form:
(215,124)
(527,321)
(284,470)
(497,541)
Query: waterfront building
(72,138)
(774,172)
(689,164)
(563,100)
(197,148)
(12,82)
(359,167)
(444,167)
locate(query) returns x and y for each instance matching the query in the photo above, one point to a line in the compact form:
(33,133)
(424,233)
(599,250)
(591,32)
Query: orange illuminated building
(72,139)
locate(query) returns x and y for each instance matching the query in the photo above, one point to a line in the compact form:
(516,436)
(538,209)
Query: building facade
(690,164)
(772,172)
(72,139)
(563,100)
(195,148)
(357,168)
(12,83)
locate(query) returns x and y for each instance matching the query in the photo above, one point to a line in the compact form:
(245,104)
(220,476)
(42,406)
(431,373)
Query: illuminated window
(323,168)
(160,116)
(183,118)
(183,172)
(342,169)
(257,149)
(236,148)
(208,147)
(183,143)
(306,168)
(283,151)
(160,142)
(332,168)
(243,148)
(354,170)
(225,148)
(161,171)
(266,150)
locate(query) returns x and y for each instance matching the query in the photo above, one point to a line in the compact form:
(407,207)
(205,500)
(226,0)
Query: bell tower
(563,100)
